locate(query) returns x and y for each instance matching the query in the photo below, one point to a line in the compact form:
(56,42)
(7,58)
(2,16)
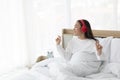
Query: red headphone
(83,28)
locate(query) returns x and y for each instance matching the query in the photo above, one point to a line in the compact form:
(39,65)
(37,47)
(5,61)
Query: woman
(83,52)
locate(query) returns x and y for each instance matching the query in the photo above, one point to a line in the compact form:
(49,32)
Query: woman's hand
(99,48)
(58,40)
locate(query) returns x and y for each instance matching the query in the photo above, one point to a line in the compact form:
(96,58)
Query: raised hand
(58,40)
(99,48)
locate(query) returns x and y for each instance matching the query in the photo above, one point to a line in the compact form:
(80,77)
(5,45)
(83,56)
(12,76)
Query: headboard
(67,34)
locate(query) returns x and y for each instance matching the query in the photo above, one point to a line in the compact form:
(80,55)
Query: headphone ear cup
(83,29)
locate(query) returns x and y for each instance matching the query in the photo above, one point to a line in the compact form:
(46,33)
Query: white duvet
(50,70)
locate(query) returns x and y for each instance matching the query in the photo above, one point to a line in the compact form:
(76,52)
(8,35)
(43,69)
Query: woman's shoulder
(92,40)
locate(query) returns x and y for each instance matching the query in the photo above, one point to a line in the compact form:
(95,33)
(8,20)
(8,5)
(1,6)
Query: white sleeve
(66,53)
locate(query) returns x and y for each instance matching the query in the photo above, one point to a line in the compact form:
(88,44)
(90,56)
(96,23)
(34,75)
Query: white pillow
(106,43)
(115,50)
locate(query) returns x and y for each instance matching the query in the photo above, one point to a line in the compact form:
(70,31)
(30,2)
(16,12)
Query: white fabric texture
(113,68)
(31,75)
(38,72)
(76,45)
(49,66)
(115,50)
(81,55)
(101,75)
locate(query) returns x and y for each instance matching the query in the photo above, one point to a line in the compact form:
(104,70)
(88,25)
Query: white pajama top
(81,55)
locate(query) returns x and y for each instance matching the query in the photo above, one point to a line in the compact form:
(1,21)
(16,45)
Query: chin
(75,34)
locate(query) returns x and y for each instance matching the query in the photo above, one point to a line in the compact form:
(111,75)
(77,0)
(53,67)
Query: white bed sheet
(39,76)
(31,75)
(41,72)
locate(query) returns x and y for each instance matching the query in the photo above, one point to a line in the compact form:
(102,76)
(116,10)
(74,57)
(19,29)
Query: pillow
(106,43)
(115,50)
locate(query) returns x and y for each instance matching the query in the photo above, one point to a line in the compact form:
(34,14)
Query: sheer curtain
(45,20)
(28,28)
(12,36)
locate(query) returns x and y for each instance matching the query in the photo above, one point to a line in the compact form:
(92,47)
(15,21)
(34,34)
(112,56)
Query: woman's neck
(82,37)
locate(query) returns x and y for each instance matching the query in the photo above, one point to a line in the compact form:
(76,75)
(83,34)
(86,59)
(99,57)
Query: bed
(110,71)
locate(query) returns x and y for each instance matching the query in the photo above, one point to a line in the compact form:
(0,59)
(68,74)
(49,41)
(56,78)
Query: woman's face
(77,29)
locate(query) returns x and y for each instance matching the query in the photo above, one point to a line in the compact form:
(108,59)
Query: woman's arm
(99,48)
(99,53)
(66,53)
